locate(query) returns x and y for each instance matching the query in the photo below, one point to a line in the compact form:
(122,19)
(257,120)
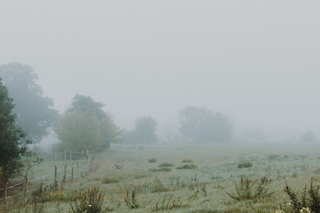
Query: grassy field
(188,178)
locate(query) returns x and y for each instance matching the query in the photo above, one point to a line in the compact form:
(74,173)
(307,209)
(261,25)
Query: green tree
(79,130)
(109,130)
(201,125)
(34,111)
(11,148)
(144,131)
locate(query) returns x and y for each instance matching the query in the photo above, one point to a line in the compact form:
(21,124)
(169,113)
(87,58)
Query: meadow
(186,178)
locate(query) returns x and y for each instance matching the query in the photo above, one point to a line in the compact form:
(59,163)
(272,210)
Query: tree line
(27,116)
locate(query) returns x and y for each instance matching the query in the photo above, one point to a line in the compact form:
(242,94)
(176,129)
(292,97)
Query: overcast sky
(256,61)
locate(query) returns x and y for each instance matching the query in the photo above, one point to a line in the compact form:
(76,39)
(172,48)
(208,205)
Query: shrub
(161,169)
(90,201)
(110,180)
(143,175)
(246,190)
(117,166)
(187,161)
(244,164)
(273,156)
(166,165)
(152,160)
(187,166)
(309,201)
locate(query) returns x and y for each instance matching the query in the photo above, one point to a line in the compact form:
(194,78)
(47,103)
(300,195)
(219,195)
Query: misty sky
(256,61)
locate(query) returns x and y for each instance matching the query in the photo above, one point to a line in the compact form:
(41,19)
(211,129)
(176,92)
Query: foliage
(78,130)
(90,201)
(187,161)
(309,136)
(309,199)
(108,129)
(152,160)
(144,131)
(130,202)
(11,147)
(161,169)
(201,125)
(244,164)
(110,180)
(273,156)
(117,166)
(166,164)
(35,114)
(247,189)
(187,166)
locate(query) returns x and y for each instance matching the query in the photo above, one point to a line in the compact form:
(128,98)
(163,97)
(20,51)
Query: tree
(11,148)
(86,126)
(201,125)
(144,131)
(78,130)
(34,111)
(109,130)
(309,136)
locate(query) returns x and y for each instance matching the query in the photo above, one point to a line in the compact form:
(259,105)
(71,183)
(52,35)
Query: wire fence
(83,165)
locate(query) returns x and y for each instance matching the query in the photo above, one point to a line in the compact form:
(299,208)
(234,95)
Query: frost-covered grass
(202,189)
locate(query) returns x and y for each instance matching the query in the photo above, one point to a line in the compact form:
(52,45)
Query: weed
(117,166)
(110,180)
(161,169)
(131,203)
(143,175)
(90,201)
(246,190)
(212,177)
(244,164)
(187,166)
(152,160)
(273,156)
(166,165)
(187,161)
(309,201)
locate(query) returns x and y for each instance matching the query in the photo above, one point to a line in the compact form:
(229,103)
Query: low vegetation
(152,160)
(187,166)
(214,185)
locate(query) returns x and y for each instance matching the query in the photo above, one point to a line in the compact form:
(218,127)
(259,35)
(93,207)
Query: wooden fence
(83,165)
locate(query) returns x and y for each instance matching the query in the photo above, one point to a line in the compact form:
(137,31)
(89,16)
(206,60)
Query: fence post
(87,165)
(65,173)
(55,157)
(41,184)
(70,155)
(77,168)
(55,177)
(65,154)
(25,188)
(5,197)
(72,171)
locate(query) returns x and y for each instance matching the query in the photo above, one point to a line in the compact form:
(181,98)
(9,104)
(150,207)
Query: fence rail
(84,161)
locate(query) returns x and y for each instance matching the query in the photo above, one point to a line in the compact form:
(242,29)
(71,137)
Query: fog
(255,61)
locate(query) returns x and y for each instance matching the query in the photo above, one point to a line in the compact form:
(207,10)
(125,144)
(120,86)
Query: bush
(90,201)
(161,169)
(246,190)
(309,200)
(110,180)
(273,156)
(187,166)
(187,161)
(152,160)
(244,164)
(166,165)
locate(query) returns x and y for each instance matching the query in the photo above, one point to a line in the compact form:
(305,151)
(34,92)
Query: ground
(124,168)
